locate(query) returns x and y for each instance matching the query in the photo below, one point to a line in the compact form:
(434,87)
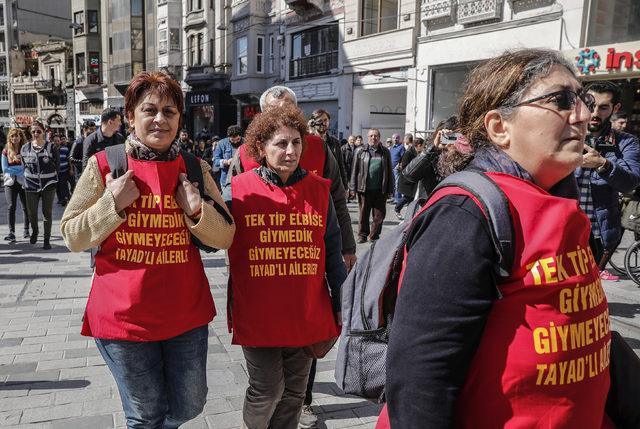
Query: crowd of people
(276,198)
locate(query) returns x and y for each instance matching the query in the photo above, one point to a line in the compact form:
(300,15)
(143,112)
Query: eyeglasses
(564,99)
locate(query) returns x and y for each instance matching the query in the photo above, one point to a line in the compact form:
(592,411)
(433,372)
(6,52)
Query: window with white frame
(241,55)
(162,41)
(78,20)
(191,50)
(260,54)
(200,48)
(272,53)
(379,16)
(92,20)
(4,91)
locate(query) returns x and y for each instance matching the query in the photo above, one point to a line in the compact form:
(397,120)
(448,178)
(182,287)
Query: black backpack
(369,293)
(117,160)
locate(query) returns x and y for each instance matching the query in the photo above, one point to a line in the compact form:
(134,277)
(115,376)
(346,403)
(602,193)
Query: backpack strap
(194,174)
(117,160)
(495,205)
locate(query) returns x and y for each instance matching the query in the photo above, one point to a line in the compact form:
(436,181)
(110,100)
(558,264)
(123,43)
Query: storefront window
(447,86)
(613,21)
(202,118)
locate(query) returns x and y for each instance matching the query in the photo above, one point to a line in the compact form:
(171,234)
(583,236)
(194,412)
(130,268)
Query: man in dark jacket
(347,158)
(320,119)
(405,188)
(611,165)
(75,155)
(106,135)
(372,180)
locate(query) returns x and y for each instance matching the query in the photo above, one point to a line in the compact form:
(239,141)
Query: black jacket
(405,187)
(96,142)
(360,169)
(423,169)
(347,157)
(334,146)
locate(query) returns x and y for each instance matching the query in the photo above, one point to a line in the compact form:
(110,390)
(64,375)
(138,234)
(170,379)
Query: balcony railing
(48,85)
(472,11)
(436,9)
(313,65)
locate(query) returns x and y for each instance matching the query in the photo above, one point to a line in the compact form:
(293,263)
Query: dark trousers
(62,187)
(277,382)
(371,201)
(33,199)
(11,194)
(308,397)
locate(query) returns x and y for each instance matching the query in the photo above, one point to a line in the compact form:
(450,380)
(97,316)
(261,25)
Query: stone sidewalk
(52,377)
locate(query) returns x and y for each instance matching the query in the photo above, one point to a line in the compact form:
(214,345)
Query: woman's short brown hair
(158,82)
(265,125)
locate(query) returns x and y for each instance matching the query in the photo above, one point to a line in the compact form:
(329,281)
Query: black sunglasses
(565,99)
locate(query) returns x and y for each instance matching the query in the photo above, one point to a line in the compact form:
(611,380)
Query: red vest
(149,283)
(279,297)
(543,360)
(313,157)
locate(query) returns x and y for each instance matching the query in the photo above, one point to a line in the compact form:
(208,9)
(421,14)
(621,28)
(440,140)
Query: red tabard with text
(279,297)
(313,157)
(543,360)
(149,283)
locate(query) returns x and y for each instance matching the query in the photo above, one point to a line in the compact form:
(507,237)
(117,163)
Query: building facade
(209,107)
(54,82)
(380,52)
(23,26)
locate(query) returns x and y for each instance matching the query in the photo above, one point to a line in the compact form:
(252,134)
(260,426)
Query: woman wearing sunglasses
(527,349)
(40,160)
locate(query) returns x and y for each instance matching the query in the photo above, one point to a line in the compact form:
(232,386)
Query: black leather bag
(623,401)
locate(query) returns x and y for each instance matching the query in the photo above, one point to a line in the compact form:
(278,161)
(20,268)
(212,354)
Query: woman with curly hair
(286,269)
(13,171)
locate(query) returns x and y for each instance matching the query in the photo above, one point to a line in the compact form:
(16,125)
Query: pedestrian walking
(611,166)
(347,156)
(407,189)
(397,151)
(286,269)
(107,135)
(481,341)
(62,187)
(372,181)
(150,303)
(13,172)
(75,155)
(225,149)
(40,159)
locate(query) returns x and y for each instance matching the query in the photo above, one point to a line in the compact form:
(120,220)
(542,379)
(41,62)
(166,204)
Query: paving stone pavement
(52,377)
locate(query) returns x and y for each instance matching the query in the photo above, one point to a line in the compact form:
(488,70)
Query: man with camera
(319,125)
(610,165)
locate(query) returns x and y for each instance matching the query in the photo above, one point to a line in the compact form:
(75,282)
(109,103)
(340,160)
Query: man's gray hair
(277,91)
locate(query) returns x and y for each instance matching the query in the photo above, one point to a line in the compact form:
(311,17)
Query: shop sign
(24,120)
(248,112)
(619,59)
(199,98)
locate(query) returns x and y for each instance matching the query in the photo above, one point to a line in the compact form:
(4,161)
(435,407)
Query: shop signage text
(199,98)
(590,61)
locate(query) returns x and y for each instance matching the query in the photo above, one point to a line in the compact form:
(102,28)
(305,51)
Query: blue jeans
(162,384)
